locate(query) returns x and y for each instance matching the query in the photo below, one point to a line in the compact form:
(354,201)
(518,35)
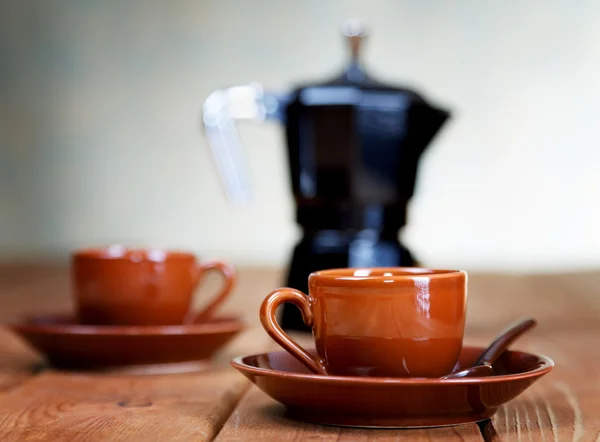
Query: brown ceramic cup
(388,322)
(121,286)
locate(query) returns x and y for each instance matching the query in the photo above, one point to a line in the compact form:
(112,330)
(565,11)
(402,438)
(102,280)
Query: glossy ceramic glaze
(377,322)
(67,344)
(392,402)
(120,286)
(483,365)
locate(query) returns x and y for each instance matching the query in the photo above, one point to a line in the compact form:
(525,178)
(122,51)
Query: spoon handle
(504,340)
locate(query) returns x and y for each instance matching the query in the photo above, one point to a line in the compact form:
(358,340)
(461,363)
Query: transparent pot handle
(220,112)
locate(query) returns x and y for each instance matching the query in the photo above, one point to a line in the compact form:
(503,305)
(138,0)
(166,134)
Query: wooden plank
(575,353)
(259,418)
(69,407)
(26,289)
(556,301)
(49,293)
(552,410)
(88,407)
(38,289)
(18,362)
(565,404)
(15,275)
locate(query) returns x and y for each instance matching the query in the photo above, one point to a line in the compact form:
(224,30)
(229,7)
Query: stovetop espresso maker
(354,145)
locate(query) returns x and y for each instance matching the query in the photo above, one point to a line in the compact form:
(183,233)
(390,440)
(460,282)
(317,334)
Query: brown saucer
(68,345)
(392,402)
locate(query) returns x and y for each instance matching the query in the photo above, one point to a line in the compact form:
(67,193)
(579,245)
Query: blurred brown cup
(122,286)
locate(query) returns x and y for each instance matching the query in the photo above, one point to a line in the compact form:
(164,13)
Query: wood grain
(565,405)
(554,411)
(260,418)
(72,406)
(33,288)
(88,407)
(17,361)
(34,405)
(69,407)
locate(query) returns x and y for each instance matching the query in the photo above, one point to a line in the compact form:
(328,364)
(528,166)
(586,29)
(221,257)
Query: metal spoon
(483,366)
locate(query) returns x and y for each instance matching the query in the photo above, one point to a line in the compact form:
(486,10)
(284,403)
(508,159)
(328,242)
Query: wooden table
(38,403)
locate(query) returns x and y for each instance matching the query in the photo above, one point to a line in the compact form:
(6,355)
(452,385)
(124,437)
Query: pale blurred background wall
(100,141)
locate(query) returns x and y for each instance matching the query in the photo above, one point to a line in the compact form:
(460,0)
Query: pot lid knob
(355,33)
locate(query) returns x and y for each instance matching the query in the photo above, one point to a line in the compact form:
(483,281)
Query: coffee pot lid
(354,75)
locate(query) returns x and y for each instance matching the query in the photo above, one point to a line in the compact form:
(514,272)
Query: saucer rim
(229,323)
(547,366)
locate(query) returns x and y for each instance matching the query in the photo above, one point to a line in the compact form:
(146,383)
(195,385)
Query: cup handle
(229,274)
(268,309)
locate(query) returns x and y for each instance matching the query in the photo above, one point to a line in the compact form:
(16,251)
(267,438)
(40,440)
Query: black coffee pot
(354,145)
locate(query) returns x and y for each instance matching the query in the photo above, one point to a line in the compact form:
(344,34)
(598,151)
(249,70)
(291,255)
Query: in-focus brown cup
(121,286)
(384,322)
